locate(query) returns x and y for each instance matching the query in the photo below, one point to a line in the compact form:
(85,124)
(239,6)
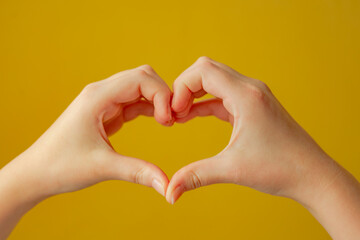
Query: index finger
(129,86)
(204,76)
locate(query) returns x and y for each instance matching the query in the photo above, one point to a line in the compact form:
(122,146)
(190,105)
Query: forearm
(11,211)
(17,196)
(338,208)
(335,203)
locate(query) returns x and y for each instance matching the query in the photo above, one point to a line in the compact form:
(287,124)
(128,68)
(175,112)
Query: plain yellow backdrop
(308,52)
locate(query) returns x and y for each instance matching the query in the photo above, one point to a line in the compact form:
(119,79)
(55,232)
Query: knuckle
(141,72)
(90,86)
(139,175)
(205,63)
(147,68)
(263,86)
(204,59)
(90,89)
(256,92)
(194,179)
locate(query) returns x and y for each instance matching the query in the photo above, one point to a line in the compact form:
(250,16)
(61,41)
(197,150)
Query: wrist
(16,198)
(314,179)
(334,200)
(20,186)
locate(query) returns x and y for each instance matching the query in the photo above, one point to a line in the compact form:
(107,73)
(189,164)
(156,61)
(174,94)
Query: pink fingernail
(156,184)
(176,194)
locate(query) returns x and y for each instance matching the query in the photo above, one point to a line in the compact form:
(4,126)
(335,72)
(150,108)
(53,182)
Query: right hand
(268,150)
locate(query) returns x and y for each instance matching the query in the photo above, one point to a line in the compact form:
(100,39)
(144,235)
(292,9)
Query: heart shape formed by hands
(259,122)
(262,152)
(167,108)
(267,151)
(141,91)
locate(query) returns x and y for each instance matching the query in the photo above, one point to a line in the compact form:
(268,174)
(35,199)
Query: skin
(75,153)
(268,150)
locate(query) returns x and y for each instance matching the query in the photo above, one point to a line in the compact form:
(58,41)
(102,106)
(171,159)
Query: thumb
(198,174)
(135,170)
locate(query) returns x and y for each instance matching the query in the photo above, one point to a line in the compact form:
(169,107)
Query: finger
(147,83)
(135,170)
(195,175)
(204,76)
(129,112)
(132,111)
(128,86)
(211,107)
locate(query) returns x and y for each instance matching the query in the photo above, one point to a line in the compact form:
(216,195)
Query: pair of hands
(267,151)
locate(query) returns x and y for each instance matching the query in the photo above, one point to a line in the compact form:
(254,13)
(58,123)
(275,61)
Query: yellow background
(307,51)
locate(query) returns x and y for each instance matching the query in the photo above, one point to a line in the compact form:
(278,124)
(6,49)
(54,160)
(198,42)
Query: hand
(267,151)
(75,152)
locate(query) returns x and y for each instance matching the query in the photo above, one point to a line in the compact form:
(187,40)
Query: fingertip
(175,188)
(178,191)
(159,186)
(165,122)
(182,98)
(171,122)
(163,113)
(173,195)
(160,182)
(137,171)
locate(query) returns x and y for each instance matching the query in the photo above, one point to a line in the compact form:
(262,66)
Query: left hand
(75,152)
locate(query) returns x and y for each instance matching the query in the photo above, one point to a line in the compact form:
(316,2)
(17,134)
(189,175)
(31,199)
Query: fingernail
(156,184)
(176,194)
(170,114)
(171,118)
(171,121)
